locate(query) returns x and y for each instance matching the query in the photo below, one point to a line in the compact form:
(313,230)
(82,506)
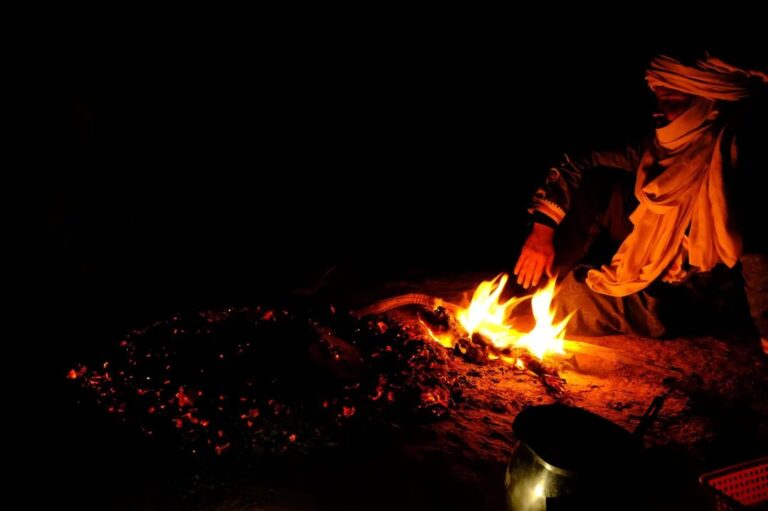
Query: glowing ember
(445,340)
(489,317)
(187,393)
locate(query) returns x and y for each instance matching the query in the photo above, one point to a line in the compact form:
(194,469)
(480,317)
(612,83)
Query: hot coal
(256,381)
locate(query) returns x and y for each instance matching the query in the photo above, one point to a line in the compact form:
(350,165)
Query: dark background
(209,166)
(196,170)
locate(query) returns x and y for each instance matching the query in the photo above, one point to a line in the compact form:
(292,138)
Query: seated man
(648,237)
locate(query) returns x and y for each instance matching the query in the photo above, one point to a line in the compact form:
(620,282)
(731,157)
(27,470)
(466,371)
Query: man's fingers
(523,271)
(521,274)
(548,268)
(528,277)
(522,267)
(530,268)
(519,265)
(537,271)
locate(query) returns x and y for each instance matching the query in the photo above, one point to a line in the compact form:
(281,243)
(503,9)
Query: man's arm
(553,200)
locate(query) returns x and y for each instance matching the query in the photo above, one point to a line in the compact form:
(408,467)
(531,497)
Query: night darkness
(201,172)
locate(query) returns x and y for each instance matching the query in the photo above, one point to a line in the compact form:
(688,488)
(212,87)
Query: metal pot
(568,458)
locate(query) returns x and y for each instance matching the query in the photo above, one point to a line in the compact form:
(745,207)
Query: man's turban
(711,78)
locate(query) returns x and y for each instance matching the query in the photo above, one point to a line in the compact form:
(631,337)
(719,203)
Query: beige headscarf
(688,194)
(711,78)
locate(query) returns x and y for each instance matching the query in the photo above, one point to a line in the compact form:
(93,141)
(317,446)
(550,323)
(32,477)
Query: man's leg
(708,303)
(596,314)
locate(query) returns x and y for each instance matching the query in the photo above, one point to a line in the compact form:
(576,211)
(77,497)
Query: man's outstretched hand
(536,256)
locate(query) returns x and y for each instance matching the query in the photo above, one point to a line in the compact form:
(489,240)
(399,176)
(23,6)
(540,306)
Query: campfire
(185,375)
(484,327)
(489,317)
(223,383)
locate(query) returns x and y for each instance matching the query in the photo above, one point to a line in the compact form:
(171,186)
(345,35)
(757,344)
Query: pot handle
(650,415)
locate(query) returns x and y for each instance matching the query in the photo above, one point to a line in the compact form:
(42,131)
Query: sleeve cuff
(547,209)
(541,218)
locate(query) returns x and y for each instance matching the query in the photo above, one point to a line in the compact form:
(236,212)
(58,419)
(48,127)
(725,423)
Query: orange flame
(489,317)
(445,340)
(546,337)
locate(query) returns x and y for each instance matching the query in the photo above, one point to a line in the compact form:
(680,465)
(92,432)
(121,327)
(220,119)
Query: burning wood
(489,317)
(482,330)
